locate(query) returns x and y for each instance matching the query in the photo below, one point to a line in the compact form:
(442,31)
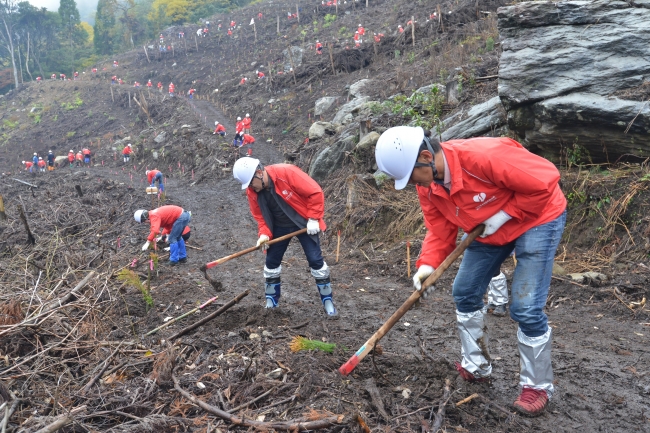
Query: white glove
(262,240)
(158,239)
(166,249)
(312,227)
(422,274)
(145,247)
(495,222)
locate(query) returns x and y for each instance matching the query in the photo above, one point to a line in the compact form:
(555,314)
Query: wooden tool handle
(350,365)
(251,249)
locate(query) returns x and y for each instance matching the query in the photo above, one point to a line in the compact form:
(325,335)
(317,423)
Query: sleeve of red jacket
(154,221)
(440,239)
(150,176)
(532,178)
(262,228)
(310,191)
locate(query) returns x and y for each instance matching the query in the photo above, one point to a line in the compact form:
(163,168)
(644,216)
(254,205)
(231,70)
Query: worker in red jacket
(260,75)
(246,123)
(191,93)
(361,30)
(357,39)
(71,158)
(29,166)
(153,176)
(86,153)
(239,131)
(248,140)
(319,48)
(284,199)
(126,152)
(172,218)
(159,86)
(400,28)
(229,32)
(219,129)
(516,196)
(171,89)
(164,233)
(243,81)
(53,77)
(149,84)
(41,164)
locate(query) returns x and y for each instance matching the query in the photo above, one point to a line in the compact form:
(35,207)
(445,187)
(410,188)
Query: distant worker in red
(149,85)
(248,140)
(319,48)
(400,29)
(53,77)
(94,70)
(29,166)
(260,75)
(119,81)
(78,159)
(136,84)
(260,16)
(232,24)
(38,79)
(171,89)
(62,76)
(113,79)
(219,129)
(71,158)
(86,153)
(205,32)
(357,39)
(172,218)
(160,86)
(243,81)
(229,32)
(191,93)
(115,65)
(75,75)
(246,123)
(239,130)
(377,37)
(41,164)
(153,176)
(126,152)
(361,30)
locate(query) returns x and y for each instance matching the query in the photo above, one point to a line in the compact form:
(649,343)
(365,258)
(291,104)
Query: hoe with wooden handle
(369,345)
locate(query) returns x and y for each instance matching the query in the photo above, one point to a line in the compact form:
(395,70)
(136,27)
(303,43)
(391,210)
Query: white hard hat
(248,115)
(71,150)
(147,172)
(244,170)
(23,162)
(396,152)
(35,154)
(317,41)
(257,72)
(359,25)
(216,123)
(49,151)
(238,118)
(138,215)
(129,145)
(40,157)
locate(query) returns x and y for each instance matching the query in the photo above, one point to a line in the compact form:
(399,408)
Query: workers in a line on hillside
(50,160)
(154,176)
(29,166)
(246,123)
(219,129)
(172,218)
(62,76)
(78,159)
(319,47)
(86,153)
(126,152)
(284,199)
(41,164)
(516,195)
(71,158)
(171,89)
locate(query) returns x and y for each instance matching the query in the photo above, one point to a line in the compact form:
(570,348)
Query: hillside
(85,359)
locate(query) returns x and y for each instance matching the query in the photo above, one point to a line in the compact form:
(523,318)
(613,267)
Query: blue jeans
(178,227)
(310,246)
(530,283)
(158,177)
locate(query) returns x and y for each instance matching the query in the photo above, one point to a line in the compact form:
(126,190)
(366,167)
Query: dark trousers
(311,247)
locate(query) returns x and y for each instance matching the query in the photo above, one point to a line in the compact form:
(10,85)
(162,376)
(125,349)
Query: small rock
(275,374)
(200,385)
(232,334)
(254,336)
(267,334)
(406,393)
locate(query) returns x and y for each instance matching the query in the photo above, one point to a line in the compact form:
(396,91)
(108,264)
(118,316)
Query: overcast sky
(86,7)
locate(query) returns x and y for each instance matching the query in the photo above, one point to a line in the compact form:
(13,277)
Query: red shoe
(469,377)
(531,402)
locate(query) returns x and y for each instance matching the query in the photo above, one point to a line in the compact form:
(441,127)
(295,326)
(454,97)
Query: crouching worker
(283,199)
(516,194)
(153,176)
(164,233)
(171,218)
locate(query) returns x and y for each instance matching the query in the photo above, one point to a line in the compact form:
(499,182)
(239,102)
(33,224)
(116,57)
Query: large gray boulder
(566,71)
(344,115)
(319,130)
(357,89)
(331,158)
(323,104)
(296,56)
(486,119)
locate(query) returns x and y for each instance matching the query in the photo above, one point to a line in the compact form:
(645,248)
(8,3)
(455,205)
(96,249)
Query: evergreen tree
(104,25)
(69,13)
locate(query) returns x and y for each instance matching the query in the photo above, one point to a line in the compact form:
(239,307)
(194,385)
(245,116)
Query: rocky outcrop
(331,158)
(295,56)
(344,115)
(356,90)
(566,70)
(319,130)
(486,119)
(323,104)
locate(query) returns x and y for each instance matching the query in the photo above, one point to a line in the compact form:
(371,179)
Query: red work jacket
(163,218)
(151,175)
(488,175)
(297,189)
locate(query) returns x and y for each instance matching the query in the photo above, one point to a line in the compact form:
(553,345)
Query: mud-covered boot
(272,291)
(325,290)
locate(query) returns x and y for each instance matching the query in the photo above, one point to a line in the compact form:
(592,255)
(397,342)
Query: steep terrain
(89,352)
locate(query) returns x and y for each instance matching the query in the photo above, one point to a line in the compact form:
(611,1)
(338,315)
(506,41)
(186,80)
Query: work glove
(312,227)
(166,249)
(158,239)
(495,222)
(145,247)
(262,240)
(422,274)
